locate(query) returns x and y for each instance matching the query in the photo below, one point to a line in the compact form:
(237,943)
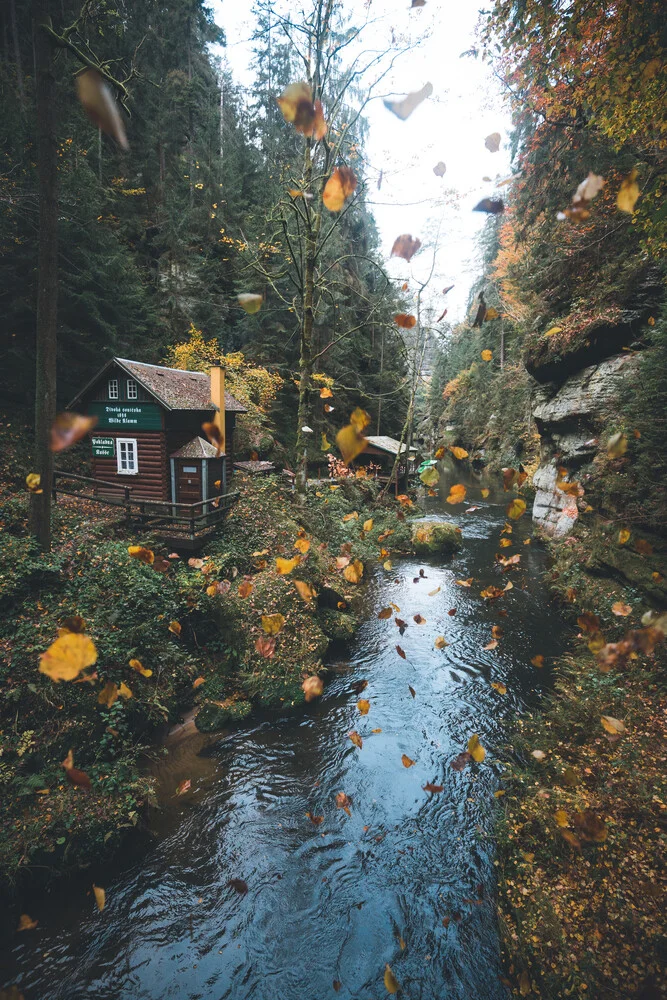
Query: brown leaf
(184,787)
(499,687)
(99,104)
(343,802)
(359,686)
(406,321)
(494,206)
(385,613)
(100,897)
(68,428)
(419,619)
(412,691)
(400,652)
(440,642)
(612,725)
(462,761)
(538,661)
(391,983)
(407,761)
(26,923)
(590,826)
(214,435)
(491,645)
(238,885)
(266,646)
(405,246)
(312,687)
(298,108)
(434,788)
(356,739)
(315,820)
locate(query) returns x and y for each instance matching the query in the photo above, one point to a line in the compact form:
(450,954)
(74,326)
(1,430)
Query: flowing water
(406,879)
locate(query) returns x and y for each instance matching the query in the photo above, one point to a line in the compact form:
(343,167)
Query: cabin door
(188,480)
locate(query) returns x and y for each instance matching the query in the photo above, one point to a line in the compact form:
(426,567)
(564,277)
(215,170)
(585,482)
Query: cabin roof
(388,444)
(255,465)
(174,388)
(197,448)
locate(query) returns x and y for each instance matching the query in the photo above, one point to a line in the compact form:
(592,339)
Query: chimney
(218,400)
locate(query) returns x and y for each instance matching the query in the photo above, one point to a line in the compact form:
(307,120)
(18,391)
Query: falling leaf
(354,572)
(245,589)
(356,739)
(338,188)
(26,923)
(387,565)
(33,482)
(404,108)
(461,761)
(487,355)
(67,656)
(142,554)
(325,392)
(440,642)
(368,525)
(214,435)
(494,206)
(643,547)
(538,661)
(315,820)
(612,725)
(391,983)
(407,761)
(238,885)
(108,695)
(405,246)
(434,788)
(539,755)
(100,897)
(621,609)
(350,439)
(298,108)
(459,453)
(440,168)
(499,687)
(465,583)
(68,428)
(124,691)
(430,476)
(571,838)
(492,142)
(385,614)
(266,646)
(516,508)
(491,645)
(273,624)
(285,566)
(475,749)
(432,593)
(628,193)
(524,984)
(198,682)
(623,536)
(343,802)
(405,320)
(250,302)
(74,775)
(302,544)
(312,687)
(140,669)
(305,590)
(337,985)
(617,445)
(99,104)
(561,818)
(400,652)
(364,706)
(457,494)
(352,516)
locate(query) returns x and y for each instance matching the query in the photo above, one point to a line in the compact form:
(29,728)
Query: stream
(406,879)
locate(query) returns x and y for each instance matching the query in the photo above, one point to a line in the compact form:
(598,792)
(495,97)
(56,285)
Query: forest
(333,561)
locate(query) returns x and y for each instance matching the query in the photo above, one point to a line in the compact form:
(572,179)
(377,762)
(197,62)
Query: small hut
(379,455)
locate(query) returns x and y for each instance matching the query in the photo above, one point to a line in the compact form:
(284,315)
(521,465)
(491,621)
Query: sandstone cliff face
(571,418)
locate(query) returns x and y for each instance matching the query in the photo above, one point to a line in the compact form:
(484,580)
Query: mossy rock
(213,717)
(435,538)
(337,626)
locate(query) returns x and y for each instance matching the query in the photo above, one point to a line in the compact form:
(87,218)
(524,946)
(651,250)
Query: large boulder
(216,716)
(435,538)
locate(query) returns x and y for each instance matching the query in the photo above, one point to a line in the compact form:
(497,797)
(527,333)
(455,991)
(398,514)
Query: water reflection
(406,879)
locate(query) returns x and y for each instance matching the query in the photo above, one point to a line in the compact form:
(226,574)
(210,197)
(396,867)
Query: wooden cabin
(149,434)
(381,451)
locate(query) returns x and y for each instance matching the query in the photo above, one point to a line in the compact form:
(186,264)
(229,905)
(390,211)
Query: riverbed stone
(336,625)
(215,716)
(435,538)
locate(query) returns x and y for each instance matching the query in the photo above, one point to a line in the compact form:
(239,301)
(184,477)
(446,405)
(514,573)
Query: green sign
(103,447)
(127,416)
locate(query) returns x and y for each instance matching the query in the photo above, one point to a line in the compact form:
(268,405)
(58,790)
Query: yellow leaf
(124,691)
(484,492)
(302,544)
(440,642)
(306,592)
(475,749)
(487,355)
(459,453)
(613,725)
(325,392)
(142,554)
(499,687)
(325,446)
(440,453)
(623,536)
(354,572)
(175,627)
(368,525)
(285,566)
(140,668)
(298,108)
(364,706)
(628,193)
(98,102)
(387,565)
(68,656)
(338,188)
(33,482)
(391,983)
(108,695)
(516,508)
(552,331)
(561,818)
(272,624)
(26,923)
(430,476)
(100,897)
(350,443)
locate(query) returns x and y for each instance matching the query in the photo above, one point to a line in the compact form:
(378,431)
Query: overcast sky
(451,125)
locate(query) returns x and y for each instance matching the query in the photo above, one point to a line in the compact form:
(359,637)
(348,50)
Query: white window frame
(122,457)
(113,389)
(132,389)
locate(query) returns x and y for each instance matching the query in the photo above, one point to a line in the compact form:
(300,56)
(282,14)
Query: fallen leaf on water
(343,802)
(491,645)
(434,788)
(364,706)
(432,593)
(405,246)
(516,508)
(68,428)
(499,687)
(440,642)
(391,983)
(412,691)
(465,583)
(406,761)
(400,652)
(183,787)
(419,619)
(26,923)
(312,687)
(238,885)
(339,187)
(461,761)
(316,820)
(620,609)
(98,102)
(67,656)
(359,686)
(356,739)
(475,749)
(100,897)
(612,725)
(538,661)
(337,985)
(376,730)
(385,613)
(404,108)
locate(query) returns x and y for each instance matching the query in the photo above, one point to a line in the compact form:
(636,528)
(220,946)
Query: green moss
(213,717)
(435,538)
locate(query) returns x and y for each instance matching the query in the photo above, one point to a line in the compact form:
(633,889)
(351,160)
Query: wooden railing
(187,520)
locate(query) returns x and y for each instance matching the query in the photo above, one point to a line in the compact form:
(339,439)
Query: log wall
(152,481)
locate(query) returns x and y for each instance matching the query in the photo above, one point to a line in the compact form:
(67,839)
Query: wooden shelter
(148,436)
(381,451)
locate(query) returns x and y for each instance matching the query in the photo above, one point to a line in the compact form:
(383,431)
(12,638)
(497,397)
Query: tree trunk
(307,323)
(47,273)
(17,55)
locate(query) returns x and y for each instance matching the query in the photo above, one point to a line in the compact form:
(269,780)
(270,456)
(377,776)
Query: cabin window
(126,455)
(113,388)
(132,392)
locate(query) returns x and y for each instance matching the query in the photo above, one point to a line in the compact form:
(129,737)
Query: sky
(450,126)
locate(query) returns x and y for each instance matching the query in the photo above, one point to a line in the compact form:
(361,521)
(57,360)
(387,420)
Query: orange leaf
(459,453)
(100,897)
(214,435)
(245,588)
(487,355)
(364,706)
(285,566)
(538,661)
(343,802)
(405,246)
(140,668)
(356,739)
(405,321)
(68,428)
(198,682)
(175,627)
(354,572)
(407,761)
(621,609)
(325,392)
(302,544)
(298,108)
(338,188)
(305,590)
(26,923)
(142,554)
